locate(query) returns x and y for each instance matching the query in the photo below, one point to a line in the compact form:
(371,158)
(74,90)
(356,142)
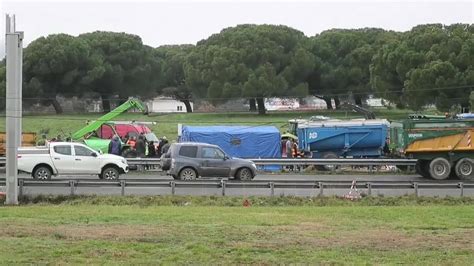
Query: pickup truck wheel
(42,173)
(188,174)
(440,168)
(465,169)
(244,174)
(110,173)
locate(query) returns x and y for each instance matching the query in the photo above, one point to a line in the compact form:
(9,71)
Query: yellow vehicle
(27,139)
(443,147)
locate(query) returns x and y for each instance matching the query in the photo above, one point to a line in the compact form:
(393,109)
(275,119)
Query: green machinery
(88,133)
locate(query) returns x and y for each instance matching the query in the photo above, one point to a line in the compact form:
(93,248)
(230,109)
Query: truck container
(443,147)
(27,139)
(358,138)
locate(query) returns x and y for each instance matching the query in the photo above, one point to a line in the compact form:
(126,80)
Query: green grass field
(152,230)
(166,124)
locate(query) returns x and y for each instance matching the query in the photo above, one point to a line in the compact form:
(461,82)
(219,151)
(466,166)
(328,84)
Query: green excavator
(98,134)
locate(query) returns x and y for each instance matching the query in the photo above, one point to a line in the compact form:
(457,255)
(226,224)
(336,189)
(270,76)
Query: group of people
(290,148)
(140,145)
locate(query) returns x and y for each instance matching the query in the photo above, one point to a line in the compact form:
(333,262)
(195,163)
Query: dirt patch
(322,236)
(78,232)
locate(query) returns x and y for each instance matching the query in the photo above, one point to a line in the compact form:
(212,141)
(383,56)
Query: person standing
(140,146)
(115,146)
(151,149)
(289,147)
(166,147)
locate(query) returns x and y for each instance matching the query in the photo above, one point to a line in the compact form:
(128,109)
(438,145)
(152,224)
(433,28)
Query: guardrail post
(415,186)
(72,184)
(223,187)
(272,189)
(369,189)
(321,188)
(173,186)
(461,187)
(21,183)
(122,186)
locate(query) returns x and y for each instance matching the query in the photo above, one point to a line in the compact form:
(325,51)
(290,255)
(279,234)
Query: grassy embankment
(167,123)
(133,230)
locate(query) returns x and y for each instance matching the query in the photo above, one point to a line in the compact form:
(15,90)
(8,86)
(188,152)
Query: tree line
(430,64)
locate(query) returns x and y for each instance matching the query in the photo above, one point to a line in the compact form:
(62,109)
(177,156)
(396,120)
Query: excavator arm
(93,126)
(356,108)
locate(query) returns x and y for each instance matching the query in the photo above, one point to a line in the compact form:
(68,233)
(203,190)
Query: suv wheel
(244,174)
(188,174)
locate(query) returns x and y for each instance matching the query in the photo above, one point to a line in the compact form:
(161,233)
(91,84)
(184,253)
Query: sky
(160,22)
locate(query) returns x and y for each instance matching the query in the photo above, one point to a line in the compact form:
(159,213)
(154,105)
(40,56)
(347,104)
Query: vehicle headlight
(254,165)
(124,161)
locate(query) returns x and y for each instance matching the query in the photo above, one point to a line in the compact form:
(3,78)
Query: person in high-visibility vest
(294,153)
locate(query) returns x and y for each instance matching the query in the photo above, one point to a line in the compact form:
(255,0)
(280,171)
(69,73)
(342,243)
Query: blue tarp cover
(237,141)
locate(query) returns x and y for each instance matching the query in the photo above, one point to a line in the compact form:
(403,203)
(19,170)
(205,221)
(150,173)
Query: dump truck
(358,138)
(27,139)
(442,146)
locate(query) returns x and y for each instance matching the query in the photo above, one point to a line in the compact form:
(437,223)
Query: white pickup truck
(62,158)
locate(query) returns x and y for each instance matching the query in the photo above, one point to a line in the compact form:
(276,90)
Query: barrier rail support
(173,187)
(223,182)
(72,184)
(20,188)
(122,186)
(272,189)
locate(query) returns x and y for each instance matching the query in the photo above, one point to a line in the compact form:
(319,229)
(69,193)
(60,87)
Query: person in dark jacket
(165,147)
(115,146)
(151,149)
(140,146)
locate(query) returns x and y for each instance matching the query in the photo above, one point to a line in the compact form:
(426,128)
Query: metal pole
(13,112)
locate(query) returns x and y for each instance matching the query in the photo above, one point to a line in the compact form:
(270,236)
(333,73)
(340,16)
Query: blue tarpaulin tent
(237,141)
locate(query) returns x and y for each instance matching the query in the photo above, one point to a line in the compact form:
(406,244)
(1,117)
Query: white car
(69,158)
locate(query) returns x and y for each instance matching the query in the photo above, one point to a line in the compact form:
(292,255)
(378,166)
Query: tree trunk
(253,105)
(328,103)
(189,109)
(337,102)
(105,103)
(358,100)
(57,106)
(261,106)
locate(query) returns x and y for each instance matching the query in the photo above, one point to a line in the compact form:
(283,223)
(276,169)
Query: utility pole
(14,57)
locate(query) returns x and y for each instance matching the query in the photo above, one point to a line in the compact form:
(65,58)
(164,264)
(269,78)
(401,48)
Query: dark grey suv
(188,161)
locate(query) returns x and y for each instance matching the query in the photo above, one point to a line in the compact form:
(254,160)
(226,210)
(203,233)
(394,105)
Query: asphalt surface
(249,191)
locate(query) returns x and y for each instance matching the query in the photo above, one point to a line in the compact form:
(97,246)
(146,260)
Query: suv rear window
(188,151)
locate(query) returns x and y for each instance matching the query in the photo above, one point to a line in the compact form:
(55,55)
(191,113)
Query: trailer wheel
(421,168)
(465,169)
(440,168)
(330,155)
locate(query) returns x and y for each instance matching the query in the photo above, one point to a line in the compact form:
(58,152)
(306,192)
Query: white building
(166,105)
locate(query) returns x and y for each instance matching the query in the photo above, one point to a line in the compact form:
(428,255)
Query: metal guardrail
(223,185)
(367,162)
(370,162)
